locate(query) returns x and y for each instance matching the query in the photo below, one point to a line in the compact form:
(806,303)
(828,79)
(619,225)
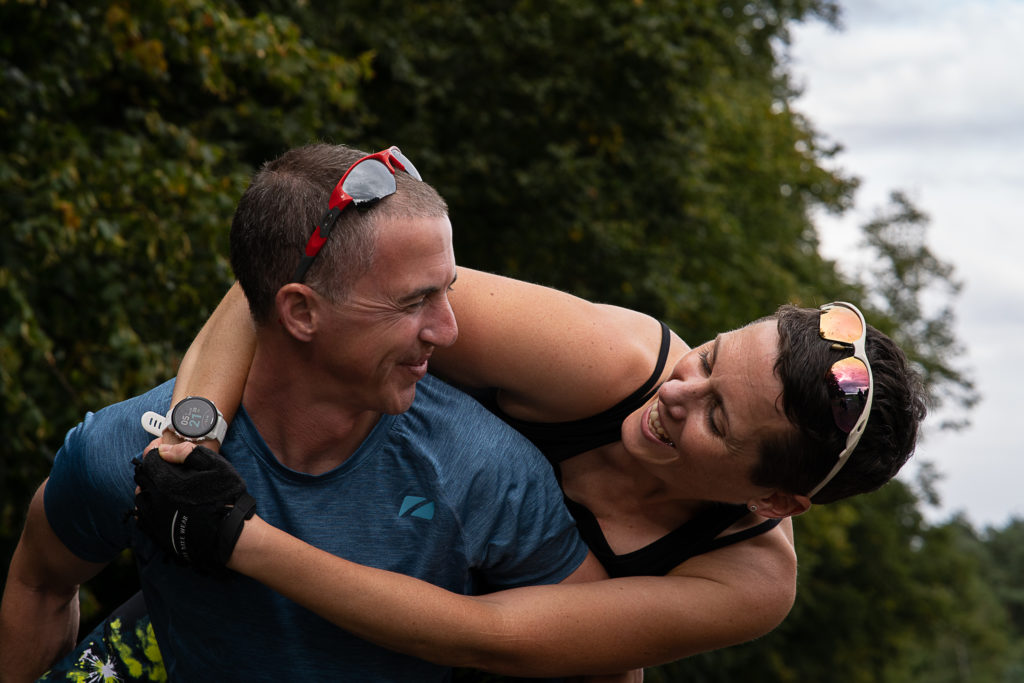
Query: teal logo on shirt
(416,506)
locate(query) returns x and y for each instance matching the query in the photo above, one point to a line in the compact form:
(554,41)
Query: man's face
(378,340)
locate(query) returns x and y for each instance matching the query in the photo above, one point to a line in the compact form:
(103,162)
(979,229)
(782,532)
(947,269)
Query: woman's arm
(722,598)
(552,355)
(217,362)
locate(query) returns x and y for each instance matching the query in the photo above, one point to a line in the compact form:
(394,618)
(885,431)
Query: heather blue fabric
(445,492)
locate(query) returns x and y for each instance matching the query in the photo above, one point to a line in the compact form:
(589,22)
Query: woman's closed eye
(713,405)
(705,364)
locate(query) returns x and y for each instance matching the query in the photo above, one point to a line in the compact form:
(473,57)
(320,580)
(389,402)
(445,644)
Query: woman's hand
(173,452)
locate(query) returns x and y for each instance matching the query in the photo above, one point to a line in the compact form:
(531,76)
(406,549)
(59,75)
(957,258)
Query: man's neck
(307,427)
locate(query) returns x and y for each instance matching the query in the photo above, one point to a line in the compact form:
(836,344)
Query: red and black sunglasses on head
(367,181)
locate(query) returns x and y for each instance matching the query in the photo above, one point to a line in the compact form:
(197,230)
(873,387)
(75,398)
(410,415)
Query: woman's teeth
(655,424)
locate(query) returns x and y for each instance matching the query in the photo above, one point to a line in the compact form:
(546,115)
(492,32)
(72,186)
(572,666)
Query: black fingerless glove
(194,511)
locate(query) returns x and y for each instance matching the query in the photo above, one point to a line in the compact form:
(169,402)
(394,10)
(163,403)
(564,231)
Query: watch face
(194,417)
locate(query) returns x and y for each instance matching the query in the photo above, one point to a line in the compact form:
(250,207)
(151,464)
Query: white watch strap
(154,423)
(220,429)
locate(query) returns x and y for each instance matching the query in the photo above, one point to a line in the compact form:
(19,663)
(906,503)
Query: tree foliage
(640,153)
(644,153)
(915,290)
(129,132)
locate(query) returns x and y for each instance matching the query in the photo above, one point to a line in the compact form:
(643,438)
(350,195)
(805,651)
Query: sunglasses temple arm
(304,263)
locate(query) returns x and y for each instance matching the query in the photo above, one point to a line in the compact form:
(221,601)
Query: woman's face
(711,415)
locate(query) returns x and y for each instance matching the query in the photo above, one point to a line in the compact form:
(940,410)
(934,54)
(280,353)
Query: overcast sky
(927,96)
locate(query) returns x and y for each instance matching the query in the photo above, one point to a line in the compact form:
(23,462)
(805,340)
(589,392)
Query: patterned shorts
(121,649)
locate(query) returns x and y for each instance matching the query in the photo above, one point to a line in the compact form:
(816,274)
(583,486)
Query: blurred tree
(915,290)
(643,153)
(129,131)
(975,642)
(640,153)
(883,598)
(1004,572)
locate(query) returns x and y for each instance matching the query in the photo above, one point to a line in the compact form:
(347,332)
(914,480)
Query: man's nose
(442,330)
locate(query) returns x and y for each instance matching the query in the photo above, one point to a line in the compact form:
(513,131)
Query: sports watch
(193,418)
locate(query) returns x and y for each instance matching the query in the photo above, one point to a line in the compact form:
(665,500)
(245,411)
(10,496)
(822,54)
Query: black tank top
(559,441)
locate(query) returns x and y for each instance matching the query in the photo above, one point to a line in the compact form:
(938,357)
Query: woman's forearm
(217,363)
(354,597)
(601,627)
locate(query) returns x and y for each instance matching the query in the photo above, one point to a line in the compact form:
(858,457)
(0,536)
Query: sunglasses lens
(407,165)
(848,386)
(368,181)
(840,324)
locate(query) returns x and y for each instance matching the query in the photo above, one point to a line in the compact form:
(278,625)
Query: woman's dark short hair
(798,460)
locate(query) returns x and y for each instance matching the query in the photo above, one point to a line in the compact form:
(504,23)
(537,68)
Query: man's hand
(194,511)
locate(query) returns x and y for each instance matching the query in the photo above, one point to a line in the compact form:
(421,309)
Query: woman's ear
(779,504)
(296,307)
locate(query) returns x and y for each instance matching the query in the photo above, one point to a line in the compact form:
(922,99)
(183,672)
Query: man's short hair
(283,204)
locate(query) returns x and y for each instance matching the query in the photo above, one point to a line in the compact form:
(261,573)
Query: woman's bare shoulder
(553,356)
(598,361)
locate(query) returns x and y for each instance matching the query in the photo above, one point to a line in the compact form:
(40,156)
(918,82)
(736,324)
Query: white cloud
(926,97)
(926,65)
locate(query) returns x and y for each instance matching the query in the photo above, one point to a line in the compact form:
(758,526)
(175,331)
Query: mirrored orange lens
(840,324)
(848,389)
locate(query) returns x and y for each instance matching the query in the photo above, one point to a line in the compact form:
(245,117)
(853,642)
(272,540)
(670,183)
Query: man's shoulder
(120,423)
(453,429)
(90,486)
(451,412)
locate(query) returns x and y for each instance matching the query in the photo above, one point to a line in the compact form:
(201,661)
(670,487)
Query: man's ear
(778,504)
(296,310)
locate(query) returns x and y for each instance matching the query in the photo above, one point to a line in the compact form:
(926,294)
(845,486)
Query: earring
(752,508)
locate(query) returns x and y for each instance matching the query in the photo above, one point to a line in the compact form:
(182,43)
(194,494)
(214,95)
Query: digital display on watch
(194,417)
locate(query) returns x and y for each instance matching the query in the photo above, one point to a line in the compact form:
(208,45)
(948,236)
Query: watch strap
(155,424)
(220,429)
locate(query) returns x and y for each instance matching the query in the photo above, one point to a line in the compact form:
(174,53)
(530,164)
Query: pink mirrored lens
(848,388)
(840,324)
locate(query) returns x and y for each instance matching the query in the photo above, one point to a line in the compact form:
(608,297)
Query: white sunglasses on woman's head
(849,379)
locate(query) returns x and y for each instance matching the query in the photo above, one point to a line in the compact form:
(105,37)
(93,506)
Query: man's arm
(39,613)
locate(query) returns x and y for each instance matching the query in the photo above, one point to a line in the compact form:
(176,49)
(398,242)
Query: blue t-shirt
(444,492)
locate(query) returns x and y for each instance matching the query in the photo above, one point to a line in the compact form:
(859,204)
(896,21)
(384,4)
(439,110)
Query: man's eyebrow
(419,294)
(423,292)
